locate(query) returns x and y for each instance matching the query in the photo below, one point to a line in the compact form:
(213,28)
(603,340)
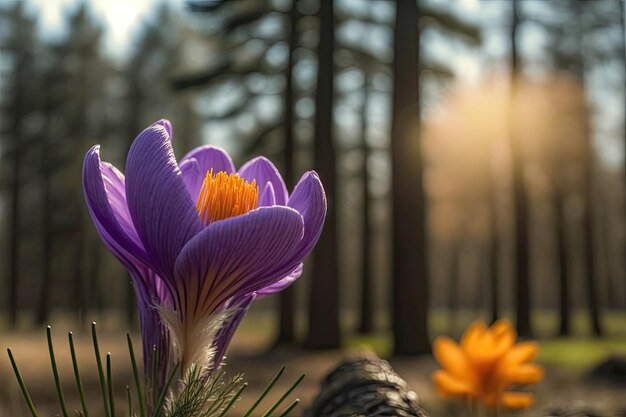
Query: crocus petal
(309,199)
(449,386)
(525,374)
(473,336)
(162,210)
(166,125)
(282,284)
(192,177)
(104,192)
(263,171)
(517,400)
(235,256)
(267,197)
(106,200)
(210,158)
(520,353)
(452,358)
(503,337)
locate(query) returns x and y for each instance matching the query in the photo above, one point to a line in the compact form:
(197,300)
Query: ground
(565,360)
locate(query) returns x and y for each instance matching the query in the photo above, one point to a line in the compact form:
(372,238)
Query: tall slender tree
(286,300)
(324,327)
(18,106)
(410,237)
(366,313)
(520,198)
(494,249)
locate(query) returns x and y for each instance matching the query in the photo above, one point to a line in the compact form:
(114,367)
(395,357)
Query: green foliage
(199,394)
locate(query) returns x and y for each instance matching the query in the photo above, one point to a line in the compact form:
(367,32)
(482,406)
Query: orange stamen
(225,195)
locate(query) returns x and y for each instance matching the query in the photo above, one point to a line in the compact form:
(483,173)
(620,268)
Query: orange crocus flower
(485,365)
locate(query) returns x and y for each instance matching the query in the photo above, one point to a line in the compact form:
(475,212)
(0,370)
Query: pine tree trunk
(494,252)
(589,241)
(410,240)
(14,228)
(589,237)
(454,272)
(623,31)
(558,210)
(286,302)
(46,219)
(18,109)
(366,322)
(520,199)
(324,329)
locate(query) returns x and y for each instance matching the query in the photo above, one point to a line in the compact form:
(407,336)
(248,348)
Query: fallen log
(365,386)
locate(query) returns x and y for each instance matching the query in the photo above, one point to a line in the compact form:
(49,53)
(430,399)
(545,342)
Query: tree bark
(14,223)
(560,223)
(410,240)
(286,298)
(324,329)
(623,31)
(46,220)
(494,252)
(365,386)
(18,109)
(587,191)
(366,322)
(454,260)
(520,199)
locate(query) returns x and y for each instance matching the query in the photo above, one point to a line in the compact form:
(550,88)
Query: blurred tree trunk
(493,251)
(286,298)
(453,282)
(14,222)
(46,211)
(520,199)
(560,224)
(613,294)
(366,316)
(324,329)
(589,237)
(20,43)
(410,240)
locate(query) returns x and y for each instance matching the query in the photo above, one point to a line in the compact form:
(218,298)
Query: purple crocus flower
(200,239)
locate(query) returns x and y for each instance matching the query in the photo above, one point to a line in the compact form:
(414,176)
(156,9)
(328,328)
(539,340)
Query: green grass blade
(269,412)
(265,392)
(77,378)
(110,385)
(20,381)
(55,372)
(103,388)
(168,382)
(153,377)
(291,407)
(232,401)
(131,412)
(140,396)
